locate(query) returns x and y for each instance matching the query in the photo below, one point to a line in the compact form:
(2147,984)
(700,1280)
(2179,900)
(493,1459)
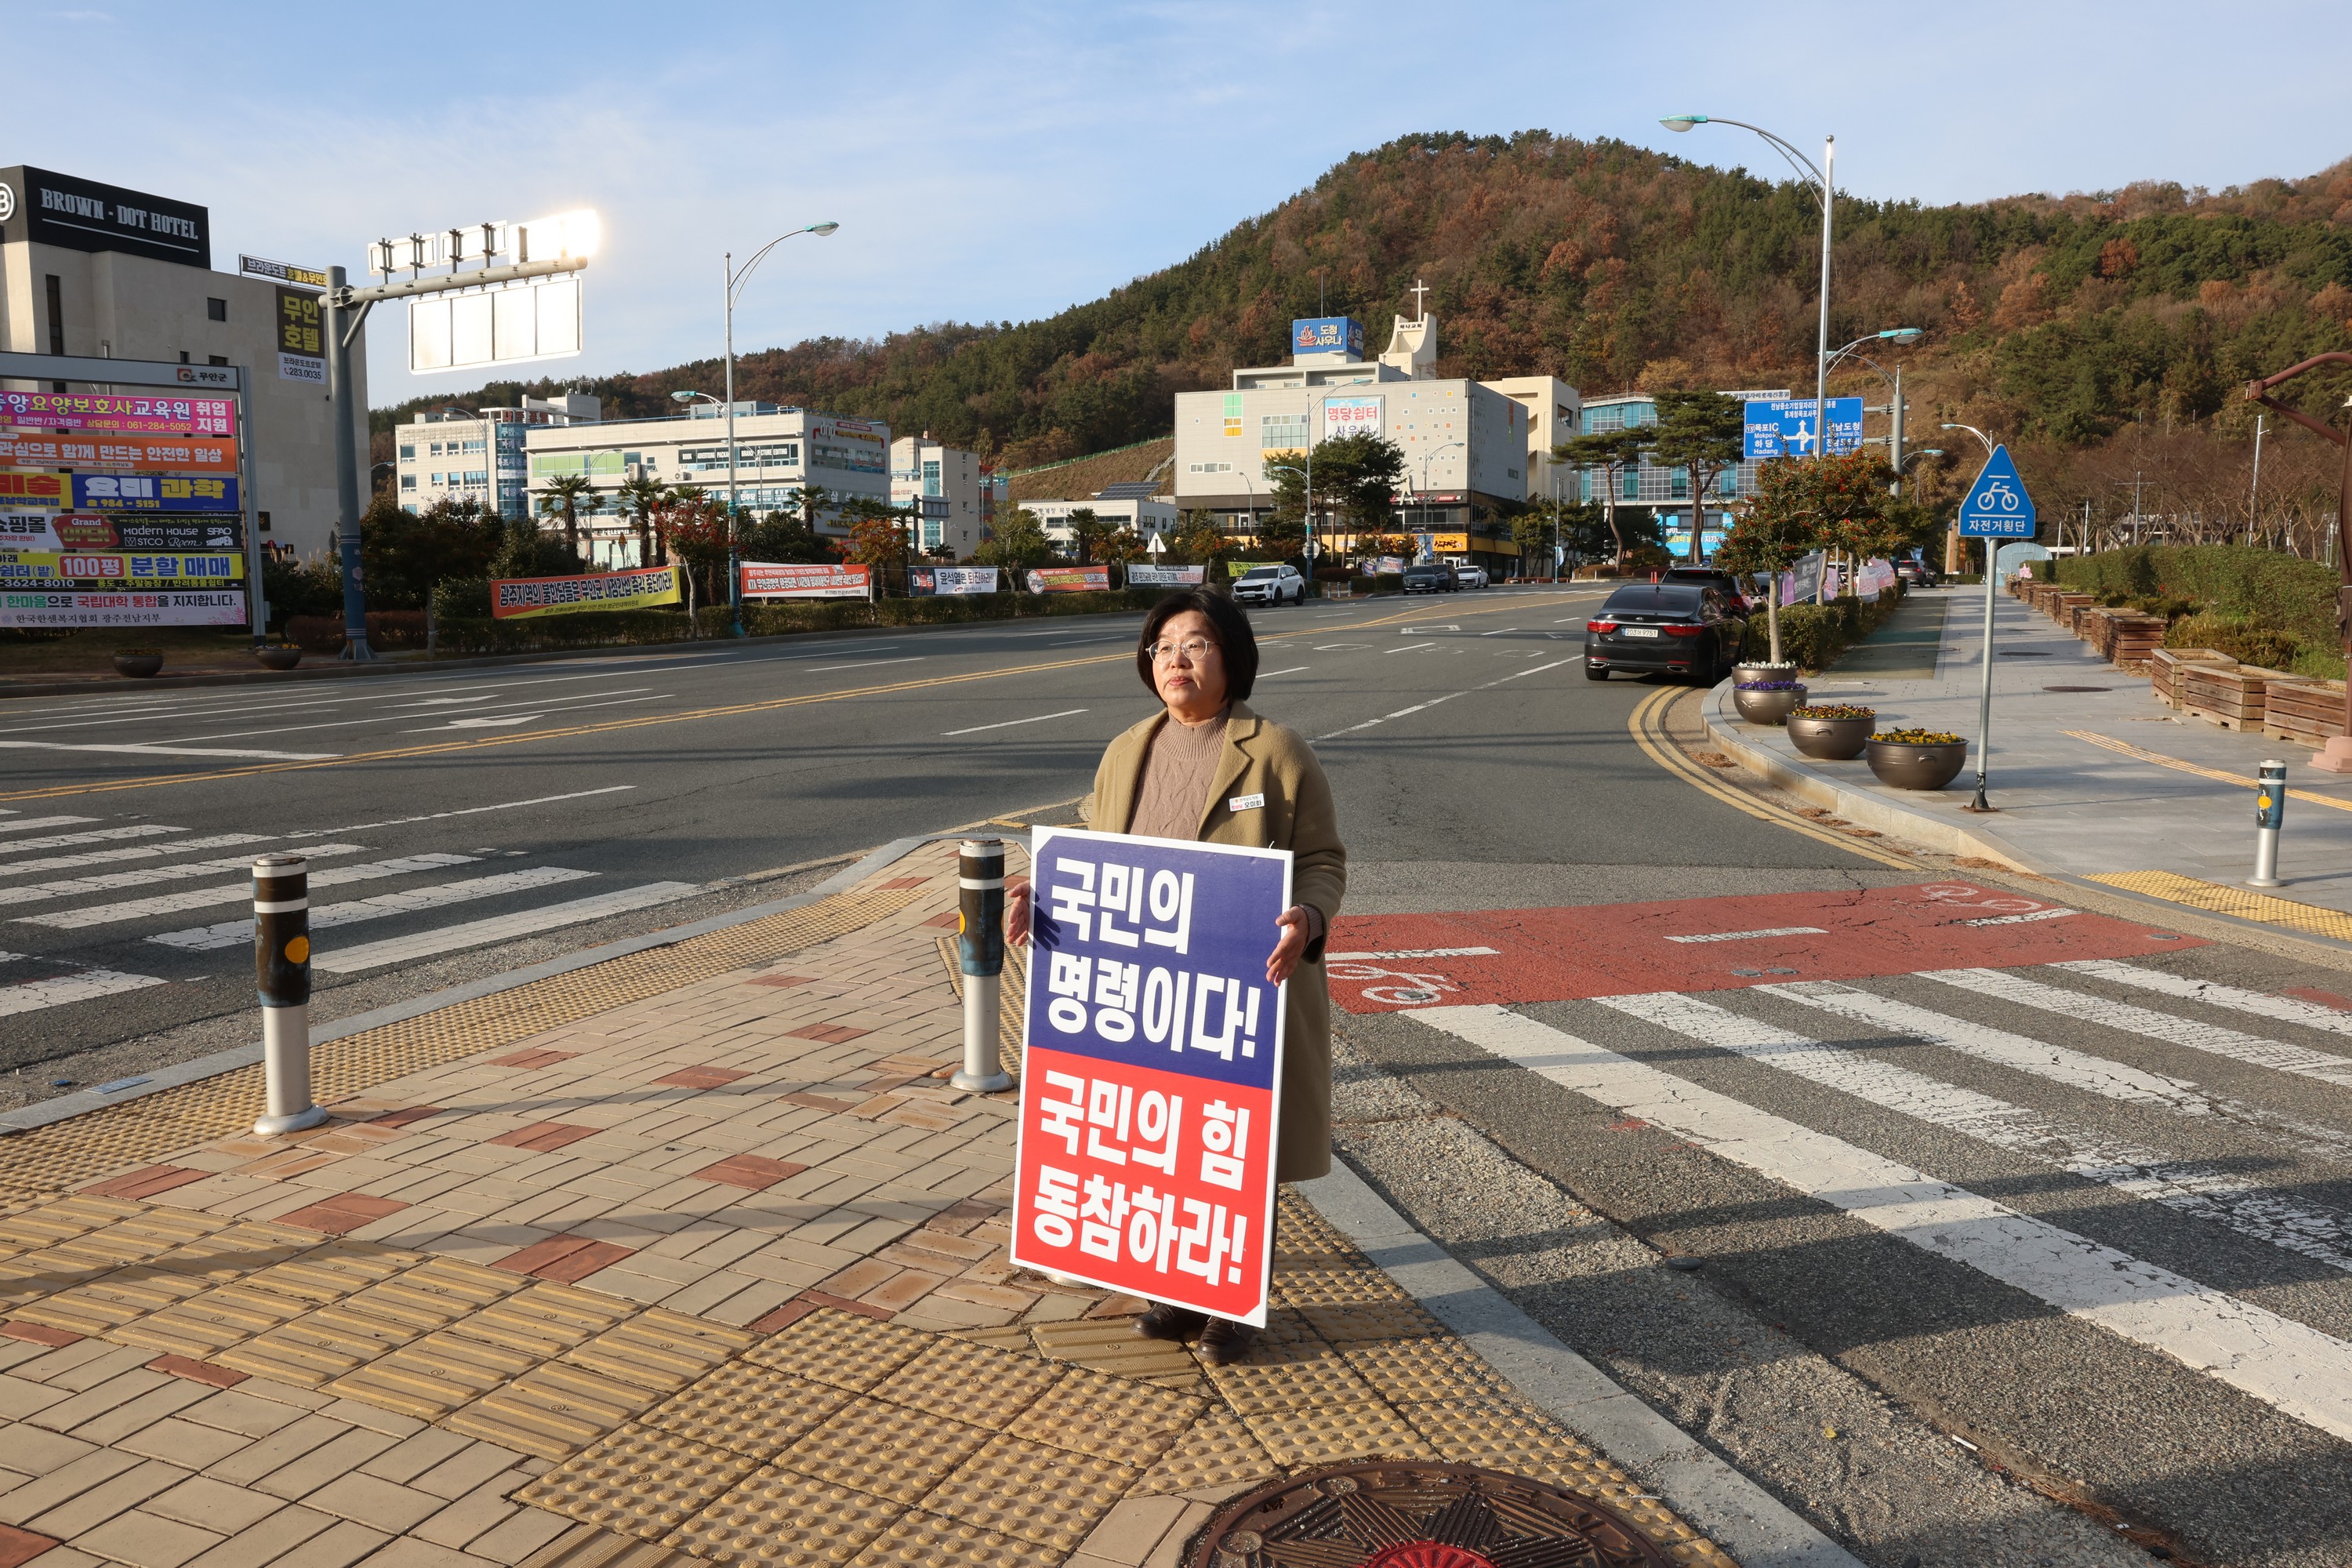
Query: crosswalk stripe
(32,996)
(100,836)
(236,892)
(147,876)
(2248,1207)
(501,928)
(2075,1069)
(231,933)
(2285,1009)
(130,852)
(32,823)
(2288,1364)
(2251,1050)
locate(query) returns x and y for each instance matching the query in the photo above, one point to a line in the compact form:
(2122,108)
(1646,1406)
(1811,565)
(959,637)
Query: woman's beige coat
(1262,758)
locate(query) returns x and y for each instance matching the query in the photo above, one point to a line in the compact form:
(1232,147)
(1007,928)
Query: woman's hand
(1016,910)
(1283,962)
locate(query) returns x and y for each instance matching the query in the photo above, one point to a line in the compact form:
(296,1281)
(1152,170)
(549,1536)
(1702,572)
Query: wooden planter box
(2232,698)
(2059,606)
(2166,664)
(2037,596)
(2303,710)
(2134,640)
(2093,624)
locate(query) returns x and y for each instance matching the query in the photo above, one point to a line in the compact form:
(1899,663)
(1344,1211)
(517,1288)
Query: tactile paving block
(1034,1490)
(885,1449)
(552,1410)
(750,1409)
(434,1376)
(1412,1370)
(932,1541)
(659,1349)
(969,1383)
(1275,1377)
(639,1480)
(775,1519)
(1495,1432)
(1115,1418)
(1219,1451)
(437,1293)
(1330,1434)
(1321,1286)
(61,1221)
(840,1348)
(1112,1345)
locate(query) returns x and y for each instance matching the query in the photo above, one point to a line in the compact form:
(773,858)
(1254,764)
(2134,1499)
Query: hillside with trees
(2108,333)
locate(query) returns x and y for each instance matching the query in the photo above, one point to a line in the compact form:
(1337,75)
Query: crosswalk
(1911,1102)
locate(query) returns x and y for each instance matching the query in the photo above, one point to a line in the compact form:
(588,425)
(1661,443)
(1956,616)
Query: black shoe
(1162,1321)
(1226,1342)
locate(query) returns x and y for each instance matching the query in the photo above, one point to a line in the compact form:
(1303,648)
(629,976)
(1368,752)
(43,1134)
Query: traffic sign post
(1996,508)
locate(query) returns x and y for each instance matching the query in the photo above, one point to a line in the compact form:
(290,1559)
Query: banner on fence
(95,609)
(829,580)
(1069,579)
(642,589)
(928,582)
(1141,577)
(1151,1069)
(45,568)
(91,411)
(119,453)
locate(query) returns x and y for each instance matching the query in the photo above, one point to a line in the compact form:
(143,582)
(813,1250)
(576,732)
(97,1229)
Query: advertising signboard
(301,337)
(21,608)
(45,569)
(1142,576)
(1783,426)
(97,410)
(1351,417)
(69,532)
(1152,1068)
(153,492)
(925,581)
(515,598)
(23,491)
(284,272)
(1069,579)
(119,453)
(83,215)
(848,446)
(830,580)
(1328,334)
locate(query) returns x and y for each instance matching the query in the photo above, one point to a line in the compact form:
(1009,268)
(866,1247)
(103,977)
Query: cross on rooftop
(1417,291)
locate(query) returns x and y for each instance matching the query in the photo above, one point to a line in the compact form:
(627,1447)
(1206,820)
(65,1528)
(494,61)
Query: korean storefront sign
(123,453)
(93,411)
(153,492)
(35,568)
(1151,1073)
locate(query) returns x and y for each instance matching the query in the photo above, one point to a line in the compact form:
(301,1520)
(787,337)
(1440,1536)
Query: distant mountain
(2055,319)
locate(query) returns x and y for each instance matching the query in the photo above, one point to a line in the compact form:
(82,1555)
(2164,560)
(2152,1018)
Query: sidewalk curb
(81,1102)
(1868,810)
(1747,1521)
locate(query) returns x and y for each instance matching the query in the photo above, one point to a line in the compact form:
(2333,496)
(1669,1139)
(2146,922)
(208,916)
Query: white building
(778,453)
(458,454)
(1147,516)
(92,270)
(953,500)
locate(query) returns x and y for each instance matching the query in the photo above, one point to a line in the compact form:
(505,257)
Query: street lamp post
(1894,387)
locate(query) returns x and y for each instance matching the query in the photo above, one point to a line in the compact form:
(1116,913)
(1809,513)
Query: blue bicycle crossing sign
(1997,506)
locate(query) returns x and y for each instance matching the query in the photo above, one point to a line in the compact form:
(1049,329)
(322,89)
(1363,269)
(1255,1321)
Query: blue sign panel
(153,492)
(1997,506)
(1783,426)
(1328,335)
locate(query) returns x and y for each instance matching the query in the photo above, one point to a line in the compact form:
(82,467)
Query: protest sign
(1069,579)
(1151,1069)
(1141,577)
(829,580)
(928,582)
(517,597)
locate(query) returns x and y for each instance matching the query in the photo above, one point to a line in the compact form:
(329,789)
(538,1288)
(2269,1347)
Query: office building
(1663,491)
(1118,506)
(459,454)
(951,498)
(93,269)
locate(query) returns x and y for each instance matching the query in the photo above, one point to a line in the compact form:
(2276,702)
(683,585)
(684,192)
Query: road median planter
(139,663)
(279,656)
(1768,701)
(1831,732)
(1917,759)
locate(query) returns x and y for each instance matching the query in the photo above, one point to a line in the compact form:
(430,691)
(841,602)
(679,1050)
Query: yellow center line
(641,722)
(2143,755)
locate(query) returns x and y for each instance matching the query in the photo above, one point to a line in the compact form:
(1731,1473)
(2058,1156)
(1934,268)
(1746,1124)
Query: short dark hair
(1234,638)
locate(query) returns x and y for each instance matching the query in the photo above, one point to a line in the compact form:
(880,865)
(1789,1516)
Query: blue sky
(1000,162)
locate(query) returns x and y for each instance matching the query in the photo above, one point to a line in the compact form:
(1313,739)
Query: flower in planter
(1920,737)
(139,652)
(1832,710)
(1771,686)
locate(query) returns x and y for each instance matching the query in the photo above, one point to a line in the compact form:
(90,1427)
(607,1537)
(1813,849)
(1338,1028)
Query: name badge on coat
(1246,801)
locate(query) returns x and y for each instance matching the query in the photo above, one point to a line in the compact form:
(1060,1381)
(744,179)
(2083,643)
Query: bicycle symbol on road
(1419,990)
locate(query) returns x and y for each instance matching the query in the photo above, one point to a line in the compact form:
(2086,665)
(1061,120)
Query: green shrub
(1814,635)
(2294,596)
(2248,642)
(1388,583)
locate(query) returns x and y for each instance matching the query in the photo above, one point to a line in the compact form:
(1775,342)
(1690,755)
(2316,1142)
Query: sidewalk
(691,1255)
(2092,776)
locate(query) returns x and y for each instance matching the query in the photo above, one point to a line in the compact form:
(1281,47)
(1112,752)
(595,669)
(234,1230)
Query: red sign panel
(830,580)
(93,411)
(120,453)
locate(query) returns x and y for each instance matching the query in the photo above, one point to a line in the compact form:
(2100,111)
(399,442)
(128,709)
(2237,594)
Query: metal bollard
(281,974)
(979,954)
(2270,811)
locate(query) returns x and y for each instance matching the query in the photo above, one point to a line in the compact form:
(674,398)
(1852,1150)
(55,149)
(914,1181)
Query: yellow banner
(514,598)
(118,569)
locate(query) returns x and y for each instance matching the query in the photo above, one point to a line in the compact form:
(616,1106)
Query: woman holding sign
(1208,769)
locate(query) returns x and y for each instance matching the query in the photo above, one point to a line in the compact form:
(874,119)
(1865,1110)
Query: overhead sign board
(283,272)
(138,454)
(1328,334)
(1997,506)
(534,319)
(1783,428)
(83,215)
(1151,1070)
(94,411)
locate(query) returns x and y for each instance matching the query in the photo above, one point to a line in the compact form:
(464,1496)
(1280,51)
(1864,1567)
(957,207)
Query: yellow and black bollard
(2269,816)
(281,974)
(979,954)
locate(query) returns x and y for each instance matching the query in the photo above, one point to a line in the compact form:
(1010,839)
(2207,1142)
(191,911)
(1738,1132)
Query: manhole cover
(2078,688)
(1386,1515)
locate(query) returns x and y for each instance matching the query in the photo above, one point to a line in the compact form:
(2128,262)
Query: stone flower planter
(1913,764)
(138,663)
(1760,704)
(279,656)
(1832,739)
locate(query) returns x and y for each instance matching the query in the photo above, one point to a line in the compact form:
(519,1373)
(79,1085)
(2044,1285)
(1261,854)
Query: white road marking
(498,724)
(1411,646)
(1009,723)
(147,876)
(235,892)
(1328,647)
(1400,713)
(2250,1049)
(1536,670)
(96,835)
(34,824)
(2312,1230)
(503,928)
(232,933)
(1745,935)
(32,996)
(868,664)
(476,810)
(159,750)
(1412,953)
(2285,1009)
(2051,914)
(1294,669)
(140,852)
(1075,642)
(2301,1371)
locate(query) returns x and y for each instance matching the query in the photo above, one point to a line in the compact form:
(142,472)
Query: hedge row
(1814,635)
(2259,586)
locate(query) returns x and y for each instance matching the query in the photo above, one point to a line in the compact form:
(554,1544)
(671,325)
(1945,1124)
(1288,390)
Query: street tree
(561,498)
(1532,532)
(1088,531)
(785,539)
(1701,432)
(878,544)
(1804,504)
(1611,453)
(1356,481)
(1020,540)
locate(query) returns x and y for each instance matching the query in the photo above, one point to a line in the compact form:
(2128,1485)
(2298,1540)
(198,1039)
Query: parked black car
(1675,628)
(1431,577)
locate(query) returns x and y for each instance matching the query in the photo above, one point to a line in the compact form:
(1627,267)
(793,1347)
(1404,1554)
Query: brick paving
(718,1274)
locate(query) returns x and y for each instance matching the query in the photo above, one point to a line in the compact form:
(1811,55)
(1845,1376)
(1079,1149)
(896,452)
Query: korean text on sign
(1150,1085)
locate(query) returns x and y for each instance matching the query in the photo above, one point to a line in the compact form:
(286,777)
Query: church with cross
(1476,452)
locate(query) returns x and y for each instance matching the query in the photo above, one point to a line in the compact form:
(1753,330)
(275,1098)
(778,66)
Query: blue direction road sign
(1783,426)
(1997,506)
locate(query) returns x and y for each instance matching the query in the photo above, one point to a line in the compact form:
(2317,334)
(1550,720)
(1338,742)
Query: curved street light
(1983,439)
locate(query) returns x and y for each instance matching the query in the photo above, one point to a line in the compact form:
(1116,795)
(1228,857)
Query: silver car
(1270,585)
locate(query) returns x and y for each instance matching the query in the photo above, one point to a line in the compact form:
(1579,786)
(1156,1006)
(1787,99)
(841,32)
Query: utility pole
(2254,494)
(341,402)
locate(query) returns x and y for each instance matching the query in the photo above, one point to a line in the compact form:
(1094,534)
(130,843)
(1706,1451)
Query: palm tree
(563,497)
(640,498)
